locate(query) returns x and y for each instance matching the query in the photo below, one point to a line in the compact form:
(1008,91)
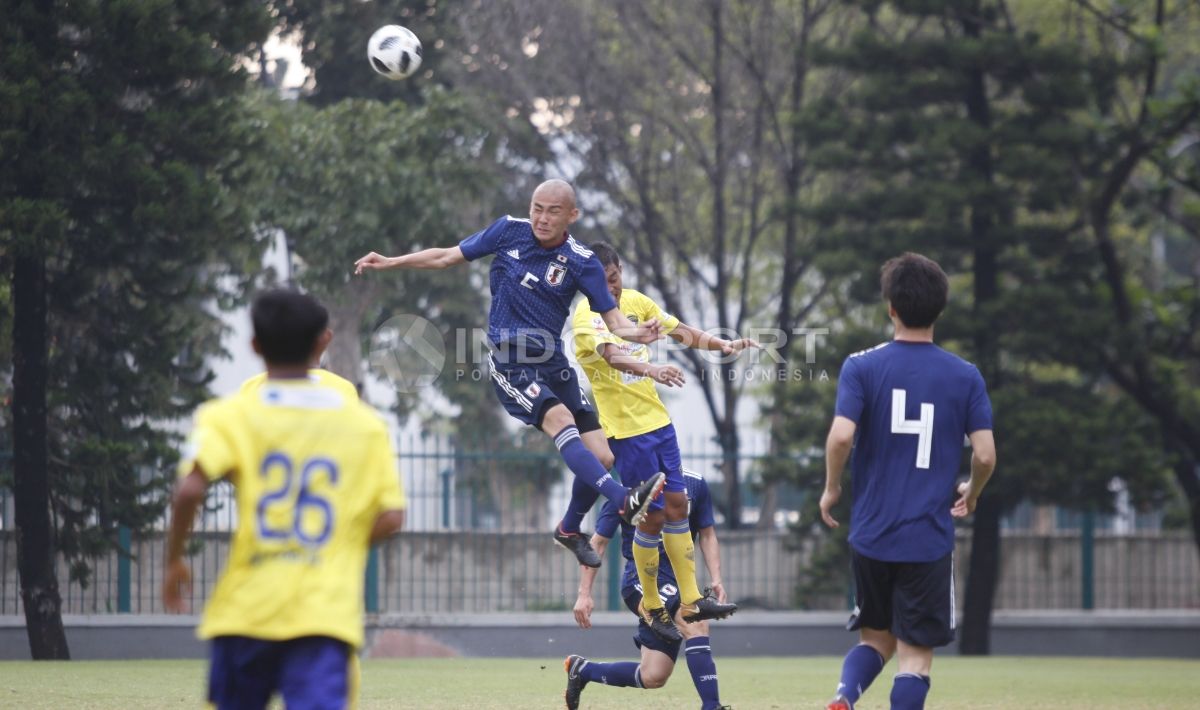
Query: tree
(678,121)
(119,219)
(964,137)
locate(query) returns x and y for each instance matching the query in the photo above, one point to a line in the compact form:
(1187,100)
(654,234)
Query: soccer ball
(394,51)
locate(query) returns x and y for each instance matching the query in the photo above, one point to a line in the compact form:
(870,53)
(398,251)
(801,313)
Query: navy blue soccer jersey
(913,404)
(532,286)
(700,516)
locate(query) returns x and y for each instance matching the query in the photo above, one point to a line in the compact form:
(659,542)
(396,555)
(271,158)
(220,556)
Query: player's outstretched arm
(584,604)
(707,539)
(837,452)
(693,337)
(669,375)
(435,258)
(983,462)
(623,328)
(188,496)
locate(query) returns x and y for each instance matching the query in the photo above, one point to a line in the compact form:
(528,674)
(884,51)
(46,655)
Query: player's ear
(254,344)
(323,341)
(574,215)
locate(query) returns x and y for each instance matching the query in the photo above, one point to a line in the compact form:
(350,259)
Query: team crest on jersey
(533,390)
(555,273)
(598,324)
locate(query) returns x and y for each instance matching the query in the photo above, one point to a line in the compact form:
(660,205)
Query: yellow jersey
(312,468)
(628,404)
(316,375)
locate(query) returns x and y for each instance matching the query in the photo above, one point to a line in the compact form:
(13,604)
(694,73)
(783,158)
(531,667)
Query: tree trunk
(31,489)
(982,574)
(985,544)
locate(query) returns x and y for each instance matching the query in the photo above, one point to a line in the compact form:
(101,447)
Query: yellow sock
(677,538)
(645,557)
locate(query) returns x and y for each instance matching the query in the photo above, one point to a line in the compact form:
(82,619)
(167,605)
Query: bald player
(537,270)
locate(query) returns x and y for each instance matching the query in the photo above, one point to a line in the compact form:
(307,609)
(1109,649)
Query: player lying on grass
(658,654)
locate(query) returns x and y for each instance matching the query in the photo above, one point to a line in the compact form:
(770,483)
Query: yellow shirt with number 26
(312,467)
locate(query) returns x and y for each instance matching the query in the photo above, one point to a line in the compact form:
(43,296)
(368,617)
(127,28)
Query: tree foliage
(122,154)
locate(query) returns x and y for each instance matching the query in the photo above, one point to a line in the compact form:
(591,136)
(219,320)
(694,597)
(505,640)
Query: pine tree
(121,141)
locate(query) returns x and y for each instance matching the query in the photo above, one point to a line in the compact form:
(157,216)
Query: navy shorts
(640,457)
(645,638)
(528,389)
(311,673)
(912,600)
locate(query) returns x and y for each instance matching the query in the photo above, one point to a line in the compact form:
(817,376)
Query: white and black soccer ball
(394,51)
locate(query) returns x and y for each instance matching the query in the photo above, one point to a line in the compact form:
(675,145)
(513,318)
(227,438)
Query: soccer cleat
(577,543)
(659,621)
(637,500)
(839,703)
(707,607)
(575,682)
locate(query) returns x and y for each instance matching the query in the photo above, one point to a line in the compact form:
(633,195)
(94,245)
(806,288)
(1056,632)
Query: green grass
(746,684)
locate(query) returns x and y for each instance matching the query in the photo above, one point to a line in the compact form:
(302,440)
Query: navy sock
(583,497)
(625,674)
(909,691)
(704,671)
(586,466)
(861,666)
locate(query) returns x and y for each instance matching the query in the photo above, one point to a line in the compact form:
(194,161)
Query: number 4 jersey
(913,403)
(312,468)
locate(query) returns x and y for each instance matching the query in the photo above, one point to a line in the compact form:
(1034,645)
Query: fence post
(1087,551)
(616,570)
(124,578)
(447,495)
(371,595)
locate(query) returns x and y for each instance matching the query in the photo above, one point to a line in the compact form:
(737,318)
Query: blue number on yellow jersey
(912,403)
(312,468)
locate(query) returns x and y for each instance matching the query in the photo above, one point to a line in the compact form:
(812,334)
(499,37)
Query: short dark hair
(287,325)
(605,253)
(916,287)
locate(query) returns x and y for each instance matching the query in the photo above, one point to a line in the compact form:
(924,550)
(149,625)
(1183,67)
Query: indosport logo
(408,352)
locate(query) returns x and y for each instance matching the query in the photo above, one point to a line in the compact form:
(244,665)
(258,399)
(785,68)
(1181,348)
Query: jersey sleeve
(590,331)
(850,391)
(484,242)
(979,406)
(209,446)
(608,522)
(702,508)
(594,285)
(648,309)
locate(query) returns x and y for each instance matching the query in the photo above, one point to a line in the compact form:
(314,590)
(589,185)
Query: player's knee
(653,522)
(654,678)
(691,630)
(555,418)
(675,504)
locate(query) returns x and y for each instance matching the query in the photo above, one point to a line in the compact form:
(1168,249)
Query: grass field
(746,684)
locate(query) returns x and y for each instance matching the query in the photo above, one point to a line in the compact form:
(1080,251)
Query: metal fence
(478,541)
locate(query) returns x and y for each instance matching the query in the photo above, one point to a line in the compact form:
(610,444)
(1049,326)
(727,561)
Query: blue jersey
(913,404)
(532,286)
(700,516)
